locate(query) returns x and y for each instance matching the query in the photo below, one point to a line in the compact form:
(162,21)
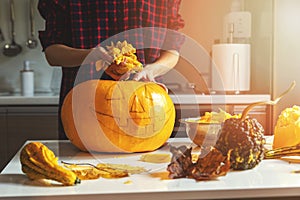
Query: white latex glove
(149,73)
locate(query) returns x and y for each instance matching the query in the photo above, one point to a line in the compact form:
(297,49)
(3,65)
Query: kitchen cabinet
(3,130)
(21,123)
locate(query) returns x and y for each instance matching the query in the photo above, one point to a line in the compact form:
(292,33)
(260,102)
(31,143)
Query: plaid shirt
(89,23)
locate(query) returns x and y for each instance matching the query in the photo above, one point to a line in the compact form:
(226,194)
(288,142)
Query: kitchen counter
(219,99)
(50,99)
(37,99)
(270,179)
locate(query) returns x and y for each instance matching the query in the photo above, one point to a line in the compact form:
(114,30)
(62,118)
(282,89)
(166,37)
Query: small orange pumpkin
(118,116)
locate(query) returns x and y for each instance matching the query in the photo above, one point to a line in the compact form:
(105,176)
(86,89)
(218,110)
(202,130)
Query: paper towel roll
(231,67)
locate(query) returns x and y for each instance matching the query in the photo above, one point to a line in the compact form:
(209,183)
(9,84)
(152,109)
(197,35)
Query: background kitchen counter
(37,99)
(51,99)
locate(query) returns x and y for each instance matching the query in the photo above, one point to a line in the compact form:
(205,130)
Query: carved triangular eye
(136,105)
(114,93)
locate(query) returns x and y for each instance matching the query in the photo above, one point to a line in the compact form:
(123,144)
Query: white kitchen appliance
(230,70)
(231,67)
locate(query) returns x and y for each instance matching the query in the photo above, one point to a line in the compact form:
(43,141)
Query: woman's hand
(167,60)
(112,69)
(150,72)
(147,74)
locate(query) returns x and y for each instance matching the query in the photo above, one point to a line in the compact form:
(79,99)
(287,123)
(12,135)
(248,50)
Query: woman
(74,29)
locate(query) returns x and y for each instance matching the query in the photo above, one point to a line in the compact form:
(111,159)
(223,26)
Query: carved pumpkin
(287,128)
(118,116)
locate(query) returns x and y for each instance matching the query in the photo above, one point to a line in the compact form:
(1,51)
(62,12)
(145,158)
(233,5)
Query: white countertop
(219,99)
(37,99)
(271,178)
(50,99)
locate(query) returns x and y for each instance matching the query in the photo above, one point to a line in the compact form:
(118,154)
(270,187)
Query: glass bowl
(203,134)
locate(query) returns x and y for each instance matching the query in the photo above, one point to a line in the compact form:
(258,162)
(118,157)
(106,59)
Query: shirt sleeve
(56,22)
(175,21)
(174,39)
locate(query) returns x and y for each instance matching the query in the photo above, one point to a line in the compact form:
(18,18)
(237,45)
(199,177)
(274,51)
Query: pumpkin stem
(249,107)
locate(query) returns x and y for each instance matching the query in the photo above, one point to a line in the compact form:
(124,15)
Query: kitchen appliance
(231,67)
(231,59)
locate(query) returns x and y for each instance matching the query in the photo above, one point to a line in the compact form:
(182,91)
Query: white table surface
(271,178)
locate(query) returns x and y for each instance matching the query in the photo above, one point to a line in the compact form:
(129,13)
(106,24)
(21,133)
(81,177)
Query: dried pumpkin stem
(272,102)
(67,163)
(283,151)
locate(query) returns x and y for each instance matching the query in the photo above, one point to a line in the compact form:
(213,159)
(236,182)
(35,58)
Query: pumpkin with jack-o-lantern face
(118,116)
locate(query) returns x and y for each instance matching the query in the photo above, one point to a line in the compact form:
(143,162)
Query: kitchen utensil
(12,49)
(272,102)
(31,42)
(202,134)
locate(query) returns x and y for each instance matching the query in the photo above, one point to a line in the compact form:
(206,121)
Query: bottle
(27,80)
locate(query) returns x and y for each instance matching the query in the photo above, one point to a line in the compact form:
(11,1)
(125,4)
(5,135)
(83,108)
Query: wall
(10,66)
(286,52)
(203,27)
(204,24)
(204,20)
(261,45)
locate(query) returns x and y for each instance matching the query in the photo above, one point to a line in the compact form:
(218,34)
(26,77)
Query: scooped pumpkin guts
(124,59)
(118,116)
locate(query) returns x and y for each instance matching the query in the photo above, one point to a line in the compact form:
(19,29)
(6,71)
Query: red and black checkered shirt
(85,24)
